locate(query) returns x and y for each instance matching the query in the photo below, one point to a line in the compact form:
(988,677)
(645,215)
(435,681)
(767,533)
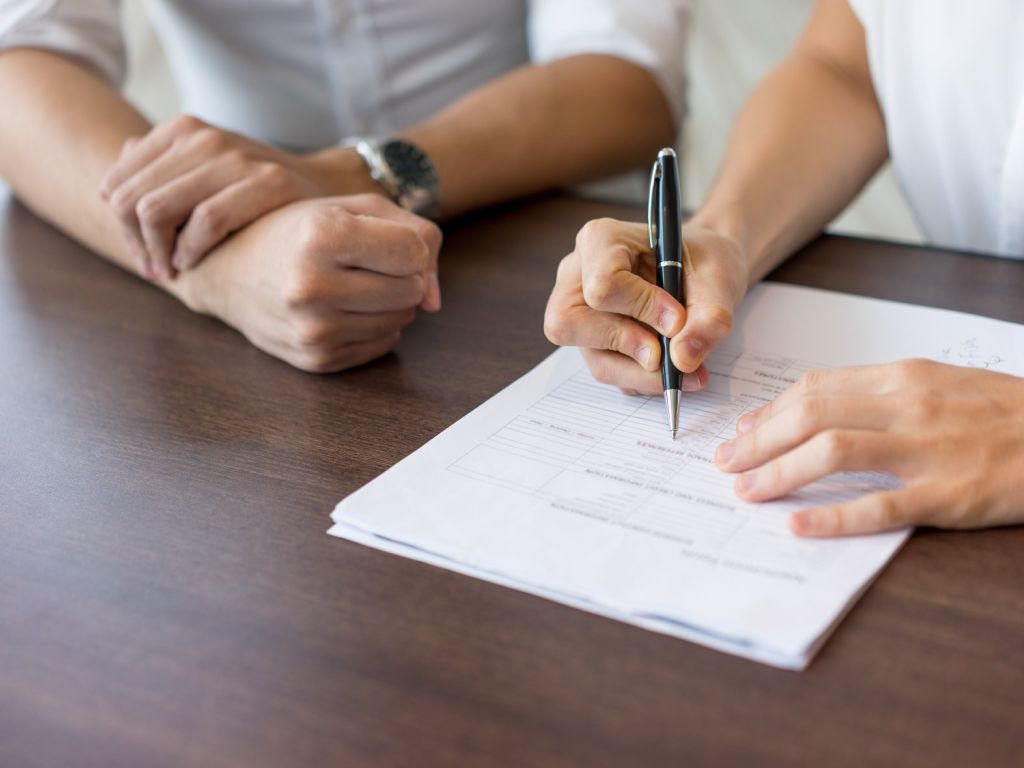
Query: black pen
(664,226)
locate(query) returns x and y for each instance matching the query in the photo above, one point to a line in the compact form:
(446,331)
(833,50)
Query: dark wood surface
(168,595)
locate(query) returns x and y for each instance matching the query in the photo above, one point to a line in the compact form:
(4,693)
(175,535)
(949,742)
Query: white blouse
(949,75)
(306,73)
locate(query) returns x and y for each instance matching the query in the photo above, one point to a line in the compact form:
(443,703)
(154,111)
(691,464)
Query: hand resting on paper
(954,436)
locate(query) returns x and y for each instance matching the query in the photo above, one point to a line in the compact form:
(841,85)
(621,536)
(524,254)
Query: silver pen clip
(652,204)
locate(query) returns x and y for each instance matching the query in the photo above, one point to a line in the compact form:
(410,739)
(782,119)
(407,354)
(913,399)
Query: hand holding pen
(607,302)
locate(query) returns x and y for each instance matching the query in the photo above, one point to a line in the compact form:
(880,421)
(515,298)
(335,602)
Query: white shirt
(949,75)
(306,73)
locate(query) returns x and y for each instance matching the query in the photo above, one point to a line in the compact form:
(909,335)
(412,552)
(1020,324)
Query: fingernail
(802,522)
(745,424)
(177,260)
(643,355)
(725,452)
(691,382)
(746,482)
(667,321)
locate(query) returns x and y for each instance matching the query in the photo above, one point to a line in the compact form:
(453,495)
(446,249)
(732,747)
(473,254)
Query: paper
(566,488)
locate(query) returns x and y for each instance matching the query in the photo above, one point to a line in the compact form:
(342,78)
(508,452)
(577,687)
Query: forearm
(539,127)
(63,128)
(807,141)
(536,128)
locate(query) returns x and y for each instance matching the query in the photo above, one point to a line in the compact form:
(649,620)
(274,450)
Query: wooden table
(168,595)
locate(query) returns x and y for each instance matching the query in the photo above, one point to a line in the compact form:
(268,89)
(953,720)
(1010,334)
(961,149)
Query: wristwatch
(404,171)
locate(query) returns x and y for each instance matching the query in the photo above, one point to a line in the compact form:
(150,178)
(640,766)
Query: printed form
(568,489)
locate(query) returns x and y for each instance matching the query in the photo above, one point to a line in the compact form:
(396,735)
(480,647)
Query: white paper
(568,489)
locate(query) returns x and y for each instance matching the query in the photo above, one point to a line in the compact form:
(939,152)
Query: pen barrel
(665,221)
(670,278)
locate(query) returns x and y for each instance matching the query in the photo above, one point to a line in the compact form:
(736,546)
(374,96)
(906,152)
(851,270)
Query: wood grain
(168,595)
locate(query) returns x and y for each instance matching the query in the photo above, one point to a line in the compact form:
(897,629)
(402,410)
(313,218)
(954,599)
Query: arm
(539,127)
(535,128)
(808,139)
(62,129)
(323,284)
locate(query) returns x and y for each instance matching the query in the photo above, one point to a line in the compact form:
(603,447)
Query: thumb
(712,292)
(430,233)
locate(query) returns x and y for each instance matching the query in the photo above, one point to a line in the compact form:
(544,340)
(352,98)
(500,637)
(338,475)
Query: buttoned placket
(351,55)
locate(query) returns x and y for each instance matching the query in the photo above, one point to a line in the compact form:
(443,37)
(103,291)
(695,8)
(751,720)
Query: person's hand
(605,300)
(323,284)
(185,186)
(953,436)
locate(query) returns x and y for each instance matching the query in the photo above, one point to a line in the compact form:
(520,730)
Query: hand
(606,302)
(323,284)
(954,437)
(186,186)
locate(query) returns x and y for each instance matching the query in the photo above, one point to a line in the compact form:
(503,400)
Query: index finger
(136,154)
(370,243)
(610,253)
(380,207)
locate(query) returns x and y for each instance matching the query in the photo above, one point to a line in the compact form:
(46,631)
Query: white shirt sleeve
(88,30)
(648,33)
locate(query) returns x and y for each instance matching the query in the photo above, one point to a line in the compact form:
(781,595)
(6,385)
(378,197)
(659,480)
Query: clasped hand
(249,233)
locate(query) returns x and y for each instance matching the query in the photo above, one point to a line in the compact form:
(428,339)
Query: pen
(664,227)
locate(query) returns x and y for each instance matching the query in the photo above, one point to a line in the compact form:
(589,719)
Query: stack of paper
(567,489)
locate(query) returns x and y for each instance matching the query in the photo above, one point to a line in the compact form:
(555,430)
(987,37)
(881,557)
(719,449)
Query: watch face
(410,165)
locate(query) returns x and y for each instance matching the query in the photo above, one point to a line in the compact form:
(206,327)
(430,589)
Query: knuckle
(300,290)
(151,209)
(431,234)
(312,333)
(234,157)
(594,231)
(913,370)
(316,229)
(597,289)
(210,221)
(645,306)
(600,370)
(835,447)
(555,326)
(812,381)
(418,254)
(209,139)
(273,175)
(123,203)
(720,318)
(613,338)
(183,124)
(887,511)
(809,414)
(774,476)
(566,268)
(374,203)
(317,361)
(835,521)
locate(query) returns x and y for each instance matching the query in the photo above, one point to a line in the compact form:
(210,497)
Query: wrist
(340,171)
(729,223)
